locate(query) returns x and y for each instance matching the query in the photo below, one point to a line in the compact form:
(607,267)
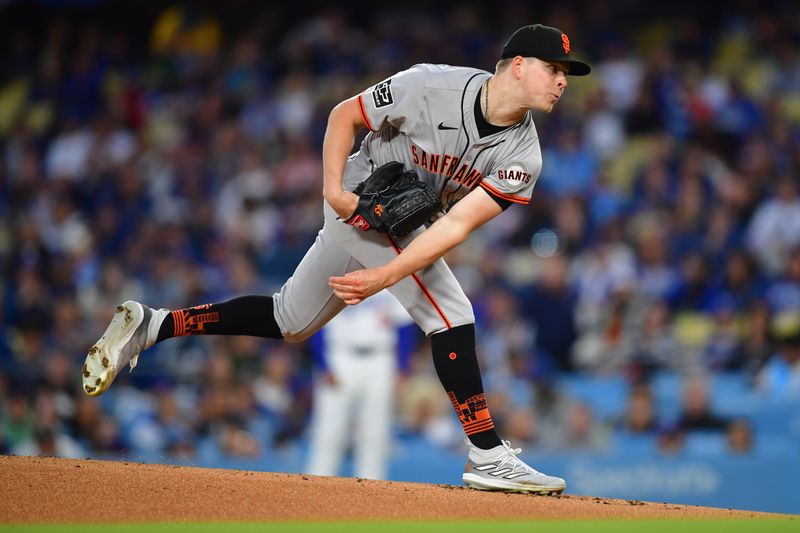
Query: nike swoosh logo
(443,127)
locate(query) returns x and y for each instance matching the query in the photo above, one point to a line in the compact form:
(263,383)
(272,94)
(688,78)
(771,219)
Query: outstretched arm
(470,212)
(340,135)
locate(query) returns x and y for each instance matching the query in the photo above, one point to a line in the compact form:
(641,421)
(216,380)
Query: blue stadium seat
(666,388)
(633,446)
(773,417)
(605,395)
(768,444)
(732,395)
(705,444)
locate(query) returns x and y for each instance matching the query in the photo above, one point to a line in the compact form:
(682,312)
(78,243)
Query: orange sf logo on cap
(565,42)
(379,210)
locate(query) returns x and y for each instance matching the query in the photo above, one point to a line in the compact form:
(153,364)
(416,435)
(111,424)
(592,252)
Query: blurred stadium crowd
(172,155)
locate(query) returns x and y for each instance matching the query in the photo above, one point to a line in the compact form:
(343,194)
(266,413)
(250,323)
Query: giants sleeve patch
(514,174)
(382,94)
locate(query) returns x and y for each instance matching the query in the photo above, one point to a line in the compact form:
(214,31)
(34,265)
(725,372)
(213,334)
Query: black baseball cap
(546,43)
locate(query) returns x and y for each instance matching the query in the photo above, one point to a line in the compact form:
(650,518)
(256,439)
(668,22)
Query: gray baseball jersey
(423,117)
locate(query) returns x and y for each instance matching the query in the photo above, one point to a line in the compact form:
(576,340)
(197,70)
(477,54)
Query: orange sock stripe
(478,429)
(483,420)
(179,323)
(176,323)
(424,289)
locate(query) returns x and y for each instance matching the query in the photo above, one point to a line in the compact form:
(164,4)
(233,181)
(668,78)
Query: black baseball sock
(246,315)
(457,366)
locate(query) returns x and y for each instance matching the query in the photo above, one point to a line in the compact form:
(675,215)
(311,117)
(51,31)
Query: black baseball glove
(393,201)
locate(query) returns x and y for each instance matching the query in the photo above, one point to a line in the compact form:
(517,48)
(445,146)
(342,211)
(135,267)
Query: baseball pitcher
(452,146)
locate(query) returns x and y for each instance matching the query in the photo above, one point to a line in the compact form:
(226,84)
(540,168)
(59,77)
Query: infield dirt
(53,490)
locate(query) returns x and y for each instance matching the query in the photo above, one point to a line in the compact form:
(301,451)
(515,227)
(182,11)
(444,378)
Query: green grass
(588,526)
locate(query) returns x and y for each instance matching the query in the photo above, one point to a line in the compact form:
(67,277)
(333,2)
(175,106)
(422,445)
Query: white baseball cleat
(133,329)
(500,469)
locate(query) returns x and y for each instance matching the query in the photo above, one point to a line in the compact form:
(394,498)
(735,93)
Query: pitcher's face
(544,82)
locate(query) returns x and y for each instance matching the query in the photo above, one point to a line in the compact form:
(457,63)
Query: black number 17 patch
(383,94)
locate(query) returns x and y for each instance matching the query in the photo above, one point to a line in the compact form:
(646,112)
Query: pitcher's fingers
(348,297)
(340,282)
(346,285)
(346,294)
(342,294)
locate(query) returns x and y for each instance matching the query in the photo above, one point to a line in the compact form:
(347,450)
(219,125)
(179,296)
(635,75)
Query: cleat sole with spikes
(109,355)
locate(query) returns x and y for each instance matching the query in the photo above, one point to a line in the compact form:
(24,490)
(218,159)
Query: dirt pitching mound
(52,490)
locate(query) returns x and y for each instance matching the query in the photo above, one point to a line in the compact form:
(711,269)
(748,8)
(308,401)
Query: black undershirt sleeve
(502,202)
